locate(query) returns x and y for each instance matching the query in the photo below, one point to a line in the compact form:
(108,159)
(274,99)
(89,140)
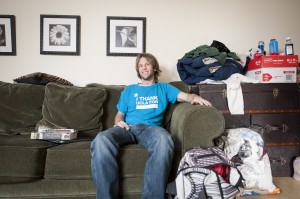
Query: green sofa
(43,169)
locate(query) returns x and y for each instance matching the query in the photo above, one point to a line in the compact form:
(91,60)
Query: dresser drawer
(281,158)
(281,136)
(258,98)
(279,127)
(236,121)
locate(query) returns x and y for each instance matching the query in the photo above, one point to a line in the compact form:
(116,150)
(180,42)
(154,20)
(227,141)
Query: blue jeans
(104,151)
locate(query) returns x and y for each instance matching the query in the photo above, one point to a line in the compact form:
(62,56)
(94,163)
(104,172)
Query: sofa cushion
(130,188)
(72,161)
(110,105)
(20,107)
(41,79)
(69,161)
(49,189)
(132,160)
(22,159)
(73,107)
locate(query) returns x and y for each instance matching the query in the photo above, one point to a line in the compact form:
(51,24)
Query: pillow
(41,79)
(79,108)
(20,107)
(110,105)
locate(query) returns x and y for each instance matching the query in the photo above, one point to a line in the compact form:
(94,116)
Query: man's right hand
(123,124)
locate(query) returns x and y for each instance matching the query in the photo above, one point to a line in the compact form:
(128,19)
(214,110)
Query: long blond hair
(153,61)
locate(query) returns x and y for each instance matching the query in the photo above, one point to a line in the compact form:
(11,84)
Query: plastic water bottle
(289,47)
(261,46)
(273,47)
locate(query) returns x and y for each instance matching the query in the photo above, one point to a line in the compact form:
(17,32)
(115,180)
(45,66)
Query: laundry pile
(207,172)
(214,62)
(242,168)
(245,147)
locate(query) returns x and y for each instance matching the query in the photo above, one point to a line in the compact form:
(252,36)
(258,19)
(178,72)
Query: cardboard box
(274,68)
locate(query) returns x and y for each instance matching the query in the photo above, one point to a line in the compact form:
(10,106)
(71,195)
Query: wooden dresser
(273,107)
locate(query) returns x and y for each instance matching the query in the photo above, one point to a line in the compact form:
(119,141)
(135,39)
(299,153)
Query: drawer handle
(284,128)
(224,93)
(275,93)
(281,160)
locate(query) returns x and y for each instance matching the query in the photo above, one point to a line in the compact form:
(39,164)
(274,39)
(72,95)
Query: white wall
(174,27)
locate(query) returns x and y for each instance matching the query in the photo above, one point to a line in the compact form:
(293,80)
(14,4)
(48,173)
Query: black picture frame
(60,34)
(126,36)
(7,35)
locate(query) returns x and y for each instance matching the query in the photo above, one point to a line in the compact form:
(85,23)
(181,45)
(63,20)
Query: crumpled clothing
(235,97)
(248,145)
(210,51)
(196,70)
(207,62)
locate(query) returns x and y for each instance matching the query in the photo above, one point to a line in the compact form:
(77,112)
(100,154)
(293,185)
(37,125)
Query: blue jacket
(194,70)
(207,62)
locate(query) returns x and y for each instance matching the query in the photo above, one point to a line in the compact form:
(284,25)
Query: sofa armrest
(195,125)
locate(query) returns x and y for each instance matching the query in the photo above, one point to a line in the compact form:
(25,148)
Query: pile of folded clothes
(214,62)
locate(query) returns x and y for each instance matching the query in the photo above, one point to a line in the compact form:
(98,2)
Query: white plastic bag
(248,145)
(297,168)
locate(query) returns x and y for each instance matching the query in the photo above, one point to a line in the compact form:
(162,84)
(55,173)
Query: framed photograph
(126,36)
(7,35)
(60,35)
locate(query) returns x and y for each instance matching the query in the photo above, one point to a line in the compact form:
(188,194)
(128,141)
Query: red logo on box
(258,63)
(292,61)
(267,77)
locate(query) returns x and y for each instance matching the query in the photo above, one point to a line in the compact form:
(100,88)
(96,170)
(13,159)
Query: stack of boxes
(274,69)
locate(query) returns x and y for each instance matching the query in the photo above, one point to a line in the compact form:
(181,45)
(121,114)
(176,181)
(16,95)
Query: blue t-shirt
(146,104)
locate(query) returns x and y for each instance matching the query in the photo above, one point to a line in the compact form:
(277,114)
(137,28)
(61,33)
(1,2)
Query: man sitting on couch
(139,118)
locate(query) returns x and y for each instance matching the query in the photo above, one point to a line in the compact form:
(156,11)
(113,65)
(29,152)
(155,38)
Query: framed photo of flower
(7,35)
(60,34)
(126,36)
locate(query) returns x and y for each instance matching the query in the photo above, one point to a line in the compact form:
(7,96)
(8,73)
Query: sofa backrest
(109,106)
(20,107)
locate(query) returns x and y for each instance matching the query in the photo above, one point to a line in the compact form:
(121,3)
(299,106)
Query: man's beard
(147,77)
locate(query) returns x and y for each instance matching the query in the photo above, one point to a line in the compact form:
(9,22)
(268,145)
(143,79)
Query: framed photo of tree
(60,34)
(7,35)
(126,36)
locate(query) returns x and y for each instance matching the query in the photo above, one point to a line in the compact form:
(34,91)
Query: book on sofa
(45,133)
